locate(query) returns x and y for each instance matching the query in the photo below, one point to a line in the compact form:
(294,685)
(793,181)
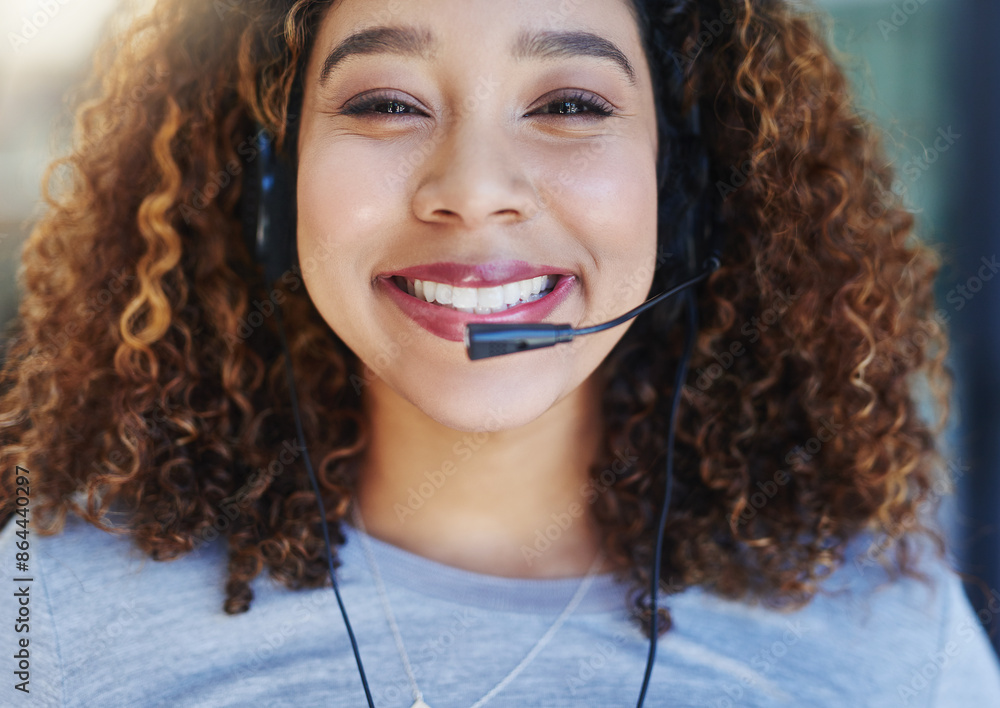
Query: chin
(491,405)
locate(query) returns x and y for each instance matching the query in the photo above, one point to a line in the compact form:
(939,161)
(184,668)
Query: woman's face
(465,143)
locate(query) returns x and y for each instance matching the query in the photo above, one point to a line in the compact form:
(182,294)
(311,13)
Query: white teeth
(491,297)
(443,293)
(481,301)
(464,297)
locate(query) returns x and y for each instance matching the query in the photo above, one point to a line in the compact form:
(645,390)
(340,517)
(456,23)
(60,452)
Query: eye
(575,104)
(579,103)
(368,103)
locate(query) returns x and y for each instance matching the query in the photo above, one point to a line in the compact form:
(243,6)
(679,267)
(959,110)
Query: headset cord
(319,499)
(692,327)
(692,317)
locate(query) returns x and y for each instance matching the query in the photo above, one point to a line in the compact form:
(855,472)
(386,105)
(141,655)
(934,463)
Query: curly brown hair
(138,378)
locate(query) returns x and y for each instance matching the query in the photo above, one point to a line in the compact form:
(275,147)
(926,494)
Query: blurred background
(928,71)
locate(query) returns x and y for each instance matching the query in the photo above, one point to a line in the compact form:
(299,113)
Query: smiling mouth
(480,301)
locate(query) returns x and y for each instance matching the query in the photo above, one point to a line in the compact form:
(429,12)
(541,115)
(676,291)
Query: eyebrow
(419,42)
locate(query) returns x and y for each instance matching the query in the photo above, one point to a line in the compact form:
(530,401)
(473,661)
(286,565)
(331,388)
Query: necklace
(418,697)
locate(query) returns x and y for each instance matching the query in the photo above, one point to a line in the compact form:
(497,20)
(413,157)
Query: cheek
(605,193)
(343,212)
(338,201)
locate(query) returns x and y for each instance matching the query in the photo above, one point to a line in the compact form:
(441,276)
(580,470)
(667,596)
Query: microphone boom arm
(484,340)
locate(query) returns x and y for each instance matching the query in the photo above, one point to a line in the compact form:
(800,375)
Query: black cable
(711,266)
(692,327)
(319,498)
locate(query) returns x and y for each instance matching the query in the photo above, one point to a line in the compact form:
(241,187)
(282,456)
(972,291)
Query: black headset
(268,200)
(690,235)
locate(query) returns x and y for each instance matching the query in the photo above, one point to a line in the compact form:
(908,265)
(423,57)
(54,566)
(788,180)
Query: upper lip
(480,275)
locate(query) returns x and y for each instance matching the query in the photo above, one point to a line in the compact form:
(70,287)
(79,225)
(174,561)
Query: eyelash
(595,108)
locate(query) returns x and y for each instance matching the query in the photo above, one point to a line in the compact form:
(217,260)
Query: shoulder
(930,630)
(111,626)
(84,562)
(864,636)
(90,595)
(927,630)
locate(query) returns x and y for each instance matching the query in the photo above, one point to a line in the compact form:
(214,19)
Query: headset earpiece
(268,201)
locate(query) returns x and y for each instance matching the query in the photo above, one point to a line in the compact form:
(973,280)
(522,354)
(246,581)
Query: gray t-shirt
(111,627)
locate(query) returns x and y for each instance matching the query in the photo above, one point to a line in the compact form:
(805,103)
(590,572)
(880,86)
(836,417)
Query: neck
(507,502)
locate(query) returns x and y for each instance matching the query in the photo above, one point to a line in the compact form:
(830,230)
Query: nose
(474,178)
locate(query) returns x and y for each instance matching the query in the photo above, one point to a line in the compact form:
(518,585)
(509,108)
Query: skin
(496,174)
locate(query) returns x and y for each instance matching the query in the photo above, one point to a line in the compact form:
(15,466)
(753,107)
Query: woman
(493,521)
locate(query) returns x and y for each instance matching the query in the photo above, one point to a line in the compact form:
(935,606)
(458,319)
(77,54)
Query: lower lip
(450,324)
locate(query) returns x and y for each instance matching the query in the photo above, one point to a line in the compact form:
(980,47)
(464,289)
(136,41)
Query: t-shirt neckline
(418,574)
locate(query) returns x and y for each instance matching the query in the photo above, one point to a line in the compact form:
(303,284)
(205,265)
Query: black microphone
(486,340)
